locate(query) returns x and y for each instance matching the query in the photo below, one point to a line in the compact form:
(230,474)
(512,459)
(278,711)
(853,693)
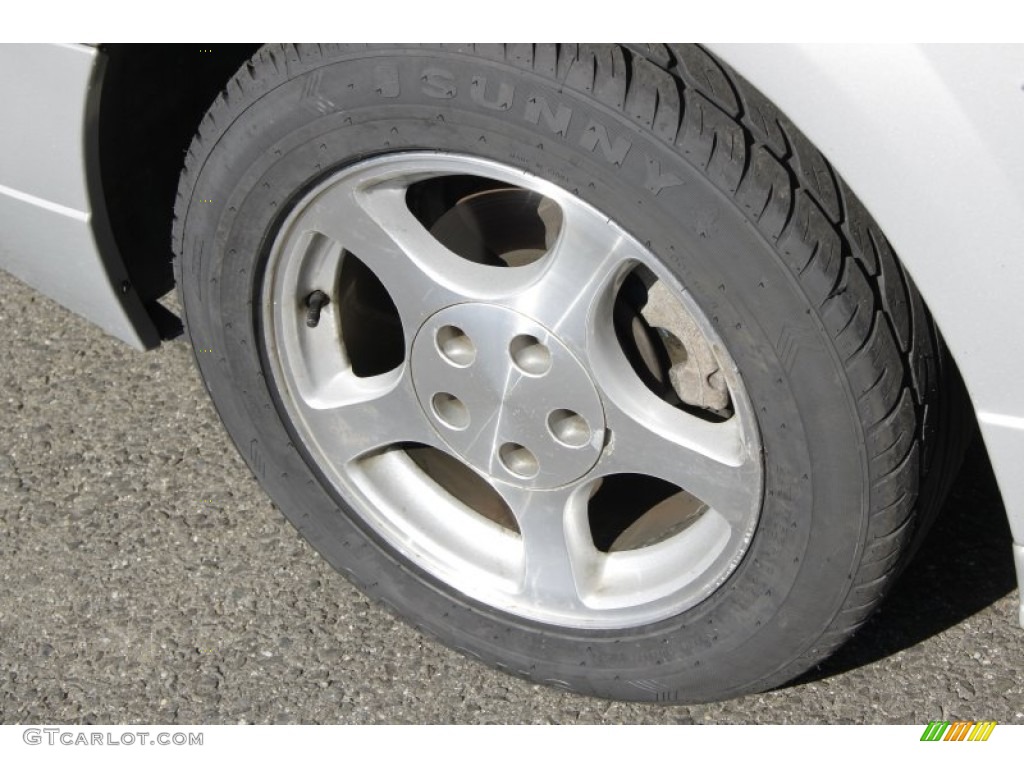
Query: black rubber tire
(838,353)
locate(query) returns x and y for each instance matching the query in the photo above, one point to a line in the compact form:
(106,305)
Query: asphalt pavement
(145,577)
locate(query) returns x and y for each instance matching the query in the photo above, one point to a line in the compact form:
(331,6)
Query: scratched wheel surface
(579,358)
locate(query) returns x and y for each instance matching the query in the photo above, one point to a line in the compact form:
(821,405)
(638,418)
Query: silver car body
(927,137)
(54,232)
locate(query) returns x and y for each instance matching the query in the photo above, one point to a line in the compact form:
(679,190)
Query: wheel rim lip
(453,556)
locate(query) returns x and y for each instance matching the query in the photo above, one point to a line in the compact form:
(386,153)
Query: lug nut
(569,428)
(455,346)
(451,411)
(530,355)
(519,460)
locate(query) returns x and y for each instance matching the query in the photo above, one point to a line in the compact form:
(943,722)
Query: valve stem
(316,301)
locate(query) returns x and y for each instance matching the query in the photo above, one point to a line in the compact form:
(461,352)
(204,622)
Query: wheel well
(152,101)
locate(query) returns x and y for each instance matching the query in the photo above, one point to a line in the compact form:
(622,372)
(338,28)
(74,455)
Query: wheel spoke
(559,559)
(580,275)
(712,461)
(421,275)
(355,416)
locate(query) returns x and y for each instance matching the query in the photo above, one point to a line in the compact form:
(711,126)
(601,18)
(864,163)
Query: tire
(581,359)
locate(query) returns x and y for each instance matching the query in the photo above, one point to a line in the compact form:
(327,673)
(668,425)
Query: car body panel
(54,233)
(925,136)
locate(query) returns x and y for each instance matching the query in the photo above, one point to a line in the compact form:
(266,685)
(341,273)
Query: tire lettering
(557,122)
(792,341)
(656,180)
(614,151)
(502,102)
(438,83)
(311,93)
(311,87)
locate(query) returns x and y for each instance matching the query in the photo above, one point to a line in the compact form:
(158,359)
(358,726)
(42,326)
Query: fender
(50,187)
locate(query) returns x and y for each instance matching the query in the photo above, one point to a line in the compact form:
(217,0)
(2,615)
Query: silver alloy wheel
(477,454)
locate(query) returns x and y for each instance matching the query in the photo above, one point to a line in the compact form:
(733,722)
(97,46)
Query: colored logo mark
(960,730)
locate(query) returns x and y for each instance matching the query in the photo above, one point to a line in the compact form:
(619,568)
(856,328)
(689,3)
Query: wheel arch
(152,101)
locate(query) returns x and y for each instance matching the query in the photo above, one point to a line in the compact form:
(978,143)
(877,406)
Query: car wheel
(581,359)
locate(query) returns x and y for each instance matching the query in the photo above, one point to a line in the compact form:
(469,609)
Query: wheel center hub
(507,396)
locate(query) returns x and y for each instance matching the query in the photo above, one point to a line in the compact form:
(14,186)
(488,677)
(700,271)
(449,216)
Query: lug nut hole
(450,411)
(530,355)
(455,346)
(569,428)
(518,460)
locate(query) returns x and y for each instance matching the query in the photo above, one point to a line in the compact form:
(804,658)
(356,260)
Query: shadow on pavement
(964,565)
